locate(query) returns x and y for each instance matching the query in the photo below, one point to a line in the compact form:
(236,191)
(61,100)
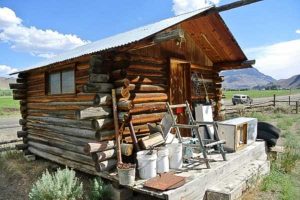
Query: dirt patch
(18,175)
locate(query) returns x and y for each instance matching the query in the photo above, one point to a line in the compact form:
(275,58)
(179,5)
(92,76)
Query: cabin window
(62,82)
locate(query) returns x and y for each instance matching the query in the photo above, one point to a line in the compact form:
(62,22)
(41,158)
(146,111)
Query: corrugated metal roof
(118,40)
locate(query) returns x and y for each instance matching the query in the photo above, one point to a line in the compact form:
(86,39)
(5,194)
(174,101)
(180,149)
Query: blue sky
(267,31)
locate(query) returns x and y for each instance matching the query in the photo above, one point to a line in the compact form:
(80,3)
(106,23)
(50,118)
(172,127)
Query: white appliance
(237,132)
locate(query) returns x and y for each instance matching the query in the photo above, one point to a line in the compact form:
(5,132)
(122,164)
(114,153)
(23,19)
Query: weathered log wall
(58,127)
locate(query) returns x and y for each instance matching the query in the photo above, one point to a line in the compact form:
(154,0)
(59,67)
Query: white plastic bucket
(126,176)
(147,164)
(162,162)
(175,155)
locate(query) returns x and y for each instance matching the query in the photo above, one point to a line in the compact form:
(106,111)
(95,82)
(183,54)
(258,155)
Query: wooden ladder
(206,145)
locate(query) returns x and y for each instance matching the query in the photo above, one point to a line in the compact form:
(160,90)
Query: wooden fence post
(274,100)
(297,106)
(289,100)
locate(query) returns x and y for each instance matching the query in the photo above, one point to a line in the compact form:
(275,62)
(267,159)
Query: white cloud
(8,18)
(183,6)
(43,43)
(298,31)
(280,60)
(5,70)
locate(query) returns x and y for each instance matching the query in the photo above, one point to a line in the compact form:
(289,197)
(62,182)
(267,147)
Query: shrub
(99,190)
(62,185)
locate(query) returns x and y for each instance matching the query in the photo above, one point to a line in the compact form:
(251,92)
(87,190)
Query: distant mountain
(4,82)
(245,78)
(292,82)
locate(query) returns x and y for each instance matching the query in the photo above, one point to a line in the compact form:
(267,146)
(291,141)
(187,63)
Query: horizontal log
(81,167)
(44,132)
(147,73)
(84,133)
(97,87)
(23,109)
(122,82)
(98,146)
(123,92)
(62,103)
(82,124)
(21,134)
(22,121)
(80,158)
(138,129)
(17,86)
(99,124)
(105,165)
(102,99)
(25,140)
(143,66)
(148,107)
(19,96)
(97,66)
(21,146)
(22,75)
(104,155)
(21,80)
(103,135)
(23,102)
(148,59)
(55,143)
(147,80)
(70,114)
(118,74)
(147,88)
(94,112)
(62,98)
(24,128)
(101,65)
(124,105)
(143,118)
(147,97)
(98,78)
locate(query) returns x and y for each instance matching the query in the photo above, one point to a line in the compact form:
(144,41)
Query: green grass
(261,93)
(8,106)
(282,178)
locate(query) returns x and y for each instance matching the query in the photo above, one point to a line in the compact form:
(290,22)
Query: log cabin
(66,101)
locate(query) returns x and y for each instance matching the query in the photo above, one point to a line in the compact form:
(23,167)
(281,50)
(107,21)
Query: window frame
(60,71)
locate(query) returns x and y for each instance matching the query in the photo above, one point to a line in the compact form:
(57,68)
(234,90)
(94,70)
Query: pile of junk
(159,156)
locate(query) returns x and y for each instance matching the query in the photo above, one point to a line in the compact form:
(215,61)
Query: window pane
(55,83)
(68,82)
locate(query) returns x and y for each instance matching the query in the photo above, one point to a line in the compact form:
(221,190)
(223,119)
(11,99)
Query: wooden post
(297,107)
(274,100)
(116,123)
(289,100)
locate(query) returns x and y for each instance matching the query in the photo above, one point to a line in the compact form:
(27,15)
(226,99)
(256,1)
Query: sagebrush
(99,190)
(62,185)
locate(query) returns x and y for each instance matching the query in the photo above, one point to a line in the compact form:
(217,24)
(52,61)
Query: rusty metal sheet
(165,181)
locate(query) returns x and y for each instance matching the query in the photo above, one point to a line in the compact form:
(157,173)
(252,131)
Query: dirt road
(9,127)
